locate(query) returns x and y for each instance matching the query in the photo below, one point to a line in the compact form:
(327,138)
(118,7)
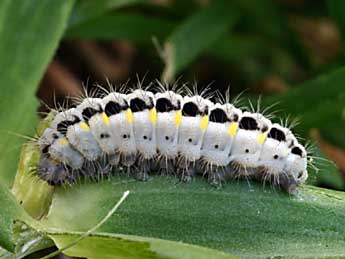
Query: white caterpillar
(143,132)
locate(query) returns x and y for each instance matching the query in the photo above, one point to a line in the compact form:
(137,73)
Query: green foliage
(107,27)
(10,211)
(125,246)
(253,221)
(188,40)
(25,52)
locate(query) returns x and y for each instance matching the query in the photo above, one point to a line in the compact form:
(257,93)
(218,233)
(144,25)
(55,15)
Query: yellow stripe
(233,129)
(129,115)
(178,118)
(204,123)
(153,115)
(262,137)
(83,125)
(105,119)
(63,141)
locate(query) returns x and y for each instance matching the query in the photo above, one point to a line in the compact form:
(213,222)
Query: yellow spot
(233,129)
(129,115)
(204,123)
(153,115)
(63,141)
(178,118)
(262,138)
(105,119)
(83,125)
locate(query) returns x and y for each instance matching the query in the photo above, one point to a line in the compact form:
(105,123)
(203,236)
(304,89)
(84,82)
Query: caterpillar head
(48,137)
(52,171)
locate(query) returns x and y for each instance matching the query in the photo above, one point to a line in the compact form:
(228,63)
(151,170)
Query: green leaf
(28,241)
(10,211)
(266,18)
(246,221)
(137,28)
(336,9)
(36,196)
(316,102)
(125,246)
(195,35)
(88,9)
(29,32)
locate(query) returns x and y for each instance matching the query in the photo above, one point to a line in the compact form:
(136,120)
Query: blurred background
(289,52)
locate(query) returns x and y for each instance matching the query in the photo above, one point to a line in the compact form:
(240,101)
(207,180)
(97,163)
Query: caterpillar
(170,132)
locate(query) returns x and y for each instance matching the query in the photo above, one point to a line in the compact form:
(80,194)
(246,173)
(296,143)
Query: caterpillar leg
(53,172)
(186,170)
(166,166)
(128,159)
(142,170)
(114,159)
(216,176)
(279,179)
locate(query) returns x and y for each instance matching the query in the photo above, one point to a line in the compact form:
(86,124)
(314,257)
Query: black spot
(88,112)
(164,105)
(277,134)
(55,136)
(138,105)
(191,109)
(166,137)
(275,156)
(190,140)
(216,146)
(235,117)
(63,125)
(247,150)
(104,135)
(218,115)
(145,137)
(205,112)
(124,136)
(248,123)
(264,128)
(297,151)
(112,108)
(45,149)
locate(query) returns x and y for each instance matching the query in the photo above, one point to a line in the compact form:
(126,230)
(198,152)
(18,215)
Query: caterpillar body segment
(246,150)
(120,120)
(143,131)
(275,150)
(169,117)
(218,140)
(193,126)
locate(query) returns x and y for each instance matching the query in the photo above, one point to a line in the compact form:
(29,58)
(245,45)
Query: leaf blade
(237,219)
(188,41)
(23,61)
